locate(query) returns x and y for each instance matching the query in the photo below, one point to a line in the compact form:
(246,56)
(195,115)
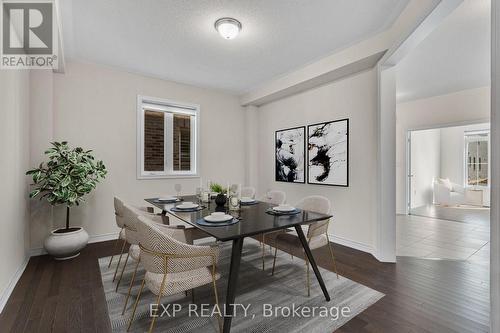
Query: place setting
(168,199)
(217,219)
(283,209)
(187,207)
(248,201)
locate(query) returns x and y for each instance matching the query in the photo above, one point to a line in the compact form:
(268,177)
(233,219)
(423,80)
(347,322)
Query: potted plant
(68,175)
(220,199)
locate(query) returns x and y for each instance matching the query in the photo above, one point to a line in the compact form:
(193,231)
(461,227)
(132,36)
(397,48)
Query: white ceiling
(176,40)
(454,57)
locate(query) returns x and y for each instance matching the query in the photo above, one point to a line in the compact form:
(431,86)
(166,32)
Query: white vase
(66,245)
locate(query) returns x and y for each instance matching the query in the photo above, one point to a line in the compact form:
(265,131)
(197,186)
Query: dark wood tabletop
(253,219)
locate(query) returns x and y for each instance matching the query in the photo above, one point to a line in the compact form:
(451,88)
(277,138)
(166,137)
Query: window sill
(146,177)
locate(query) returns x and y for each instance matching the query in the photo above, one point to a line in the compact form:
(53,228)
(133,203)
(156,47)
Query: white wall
(425,165)
(41,132)
(14,202)
(354,98)
(95,107)
(463,107)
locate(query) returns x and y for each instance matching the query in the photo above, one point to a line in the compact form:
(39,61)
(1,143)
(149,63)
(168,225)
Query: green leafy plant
(216,188)
(68,175)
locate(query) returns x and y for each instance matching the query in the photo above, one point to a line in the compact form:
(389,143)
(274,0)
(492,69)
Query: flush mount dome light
(228,27)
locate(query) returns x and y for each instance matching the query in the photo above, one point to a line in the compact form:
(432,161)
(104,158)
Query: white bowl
(247,199)
(284,208)
(218,214)
(218,218)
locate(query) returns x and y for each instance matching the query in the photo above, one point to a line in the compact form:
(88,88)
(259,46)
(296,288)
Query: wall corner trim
(4,296)
(352,244)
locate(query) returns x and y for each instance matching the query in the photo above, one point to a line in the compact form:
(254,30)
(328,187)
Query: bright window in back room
(167,138)
(477,154)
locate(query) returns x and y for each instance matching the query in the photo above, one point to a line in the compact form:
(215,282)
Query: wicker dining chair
(171,266)
(316,234)
(120,222)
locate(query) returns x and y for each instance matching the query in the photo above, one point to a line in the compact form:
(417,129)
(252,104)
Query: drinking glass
(178,189)
(199,192)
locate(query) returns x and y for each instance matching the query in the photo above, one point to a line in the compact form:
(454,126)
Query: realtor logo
(29,38)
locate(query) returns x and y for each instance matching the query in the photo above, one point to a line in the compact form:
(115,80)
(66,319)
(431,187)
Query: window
(167,138)
(477,168)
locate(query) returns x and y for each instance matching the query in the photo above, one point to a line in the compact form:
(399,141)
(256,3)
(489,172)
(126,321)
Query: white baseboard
(4,297)
(352,244)
(103,237)
(38,251)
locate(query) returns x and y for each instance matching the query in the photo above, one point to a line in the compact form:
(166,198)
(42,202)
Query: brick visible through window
(182,143)
(154,141)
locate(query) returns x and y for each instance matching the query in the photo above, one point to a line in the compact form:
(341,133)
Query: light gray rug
(286,289)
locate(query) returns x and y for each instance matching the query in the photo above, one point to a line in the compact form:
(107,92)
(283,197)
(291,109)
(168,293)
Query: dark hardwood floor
(421,295)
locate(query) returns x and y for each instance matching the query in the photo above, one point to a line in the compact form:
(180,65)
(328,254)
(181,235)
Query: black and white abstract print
(290,155)
(328,149)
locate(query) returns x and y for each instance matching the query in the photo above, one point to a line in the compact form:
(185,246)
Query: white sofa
(447,193)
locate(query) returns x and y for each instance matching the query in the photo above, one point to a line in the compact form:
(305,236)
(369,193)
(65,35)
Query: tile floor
(442,239)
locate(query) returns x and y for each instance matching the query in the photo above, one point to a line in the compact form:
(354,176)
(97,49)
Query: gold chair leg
(263,253)
(130,287)
(114,249)
(274,260)
(307,279)
(135,304)
(121,275)
(219,319)
(151,327)
(333,257)
(119,260)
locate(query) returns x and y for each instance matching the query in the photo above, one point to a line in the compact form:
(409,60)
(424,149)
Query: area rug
(269,303)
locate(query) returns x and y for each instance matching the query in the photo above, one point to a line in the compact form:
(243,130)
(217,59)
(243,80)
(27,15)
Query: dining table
(253,220)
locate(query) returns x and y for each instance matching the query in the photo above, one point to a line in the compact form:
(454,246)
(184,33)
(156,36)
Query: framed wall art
(290,155)
(328,153)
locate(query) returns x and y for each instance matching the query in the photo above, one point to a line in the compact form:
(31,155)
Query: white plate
(167,199)
(187,206)
(218,218)
(284,208)
(247,200)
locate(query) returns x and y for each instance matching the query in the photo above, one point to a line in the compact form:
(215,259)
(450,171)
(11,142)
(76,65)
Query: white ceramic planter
(66,245)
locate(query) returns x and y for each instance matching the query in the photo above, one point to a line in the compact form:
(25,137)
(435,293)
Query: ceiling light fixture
(228,27)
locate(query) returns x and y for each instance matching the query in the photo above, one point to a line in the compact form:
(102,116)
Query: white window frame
(468,134)
(169,107)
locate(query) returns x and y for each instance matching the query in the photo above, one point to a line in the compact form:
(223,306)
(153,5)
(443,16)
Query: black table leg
(232,282)
(309,255)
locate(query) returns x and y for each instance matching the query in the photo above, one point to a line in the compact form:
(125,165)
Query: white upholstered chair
(130,215)
(316,234)
(274,197)
(172,266)
(248,192)
(120,222)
